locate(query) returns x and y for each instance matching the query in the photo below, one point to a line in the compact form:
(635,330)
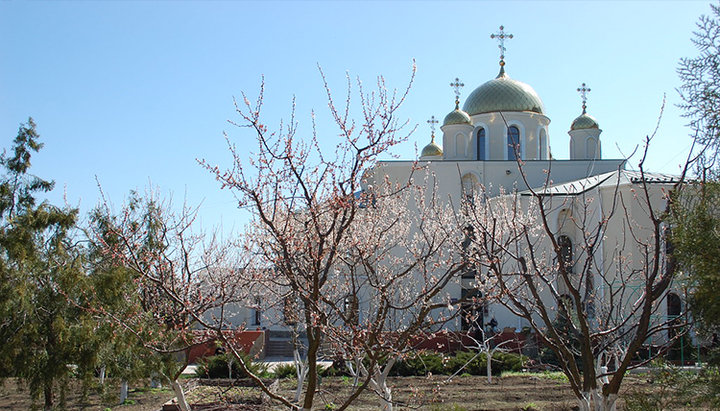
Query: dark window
(472,315)
(290,310)
(258,311)
(481,144)
(674,305)
(674,308)
(352,309)
(566,252)
(513,142)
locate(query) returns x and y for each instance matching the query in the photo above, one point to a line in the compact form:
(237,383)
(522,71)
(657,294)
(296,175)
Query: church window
(566,252)
(472,310)
(674,309)
(513,142)
(481,144)
(258,311)
(542,152)
(352,309)
(290,310)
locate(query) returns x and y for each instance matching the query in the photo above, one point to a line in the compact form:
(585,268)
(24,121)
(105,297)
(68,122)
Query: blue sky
(134,92)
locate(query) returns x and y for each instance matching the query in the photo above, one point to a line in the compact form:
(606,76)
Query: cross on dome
(432,123)
(456,86)
(501,36)
(583,90)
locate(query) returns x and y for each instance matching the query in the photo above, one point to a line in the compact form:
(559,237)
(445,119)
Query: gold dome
(584,122)
(432,149)
(503,94)
(457,116)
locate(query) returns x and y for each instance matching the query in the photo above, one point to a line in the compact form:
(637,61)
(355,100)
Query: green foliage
(285,371)
(217,367)
(43,282)
(700,88)
(422,363)
(674,388)
(696,247)
(570,334)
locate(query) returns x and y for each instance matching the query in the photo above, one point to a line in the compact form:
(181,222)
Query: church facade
(499,143)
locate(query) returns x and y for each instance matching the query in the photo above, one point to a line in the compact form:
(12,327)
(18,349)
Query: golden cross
(432,123)
(583,90)
(456,86)
(501,36)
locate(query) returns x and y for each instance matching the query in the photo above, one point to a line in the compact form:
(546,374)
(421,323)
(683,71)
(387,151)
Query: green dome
(503,94)
(584,122)
(431,150)
(457,116)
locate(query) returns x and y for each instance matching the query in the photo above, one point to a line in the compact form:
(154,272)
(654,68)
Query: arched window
(513,142)
(674,308)
(472,310)
(674,305)
(352,309)
(566,252)
(257,317)
(290,310)
(542,151)
(481,144)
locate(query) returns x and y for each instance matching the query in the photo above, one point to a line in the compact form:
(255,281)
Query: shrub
(419,364)
(285,371)
(474,365)
(477,365)
(217,367)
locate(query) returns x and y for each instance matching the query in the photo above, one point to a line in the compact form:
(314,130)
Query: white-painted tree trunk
(123,392)
(301,370)
(180,395)
(488,357)
(584,402)
(380,385)
(301,375)
(102,375)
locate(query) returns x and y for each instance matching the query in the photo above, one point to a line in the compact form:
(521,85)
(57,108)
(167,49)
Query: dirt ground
(529,392)
(15,396)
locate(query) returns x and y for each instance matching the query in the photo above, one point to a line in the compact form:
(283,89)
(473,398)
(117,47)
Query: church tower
(457,130)
(585,133)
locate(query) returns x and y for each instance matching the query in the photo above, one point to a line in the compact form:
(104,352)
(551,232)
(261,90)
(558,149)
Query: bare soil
(14,395)
(531,392)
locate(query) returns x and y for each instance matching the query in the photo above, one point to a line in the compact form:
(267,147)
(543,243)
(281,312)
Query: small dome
(503,94)
(431,150)
(584,122)
(457,116)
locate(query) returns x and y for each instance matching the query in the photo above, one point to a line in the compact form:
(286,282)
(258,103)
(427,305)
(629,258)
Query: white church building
(504,118)
(480,141)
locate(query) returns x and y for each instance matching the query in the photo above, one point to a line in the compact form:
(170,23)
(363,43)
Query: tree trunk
(303,369)
(609,402)
(180,395)
(123,391)
(102,375)
(386,393)
(584,402)
(48,396)
(488,357)
(312,357)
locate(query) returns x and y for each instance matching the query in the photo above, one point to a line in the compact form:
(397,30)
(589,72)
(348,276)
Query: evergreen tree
(696,216)
(41,279)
